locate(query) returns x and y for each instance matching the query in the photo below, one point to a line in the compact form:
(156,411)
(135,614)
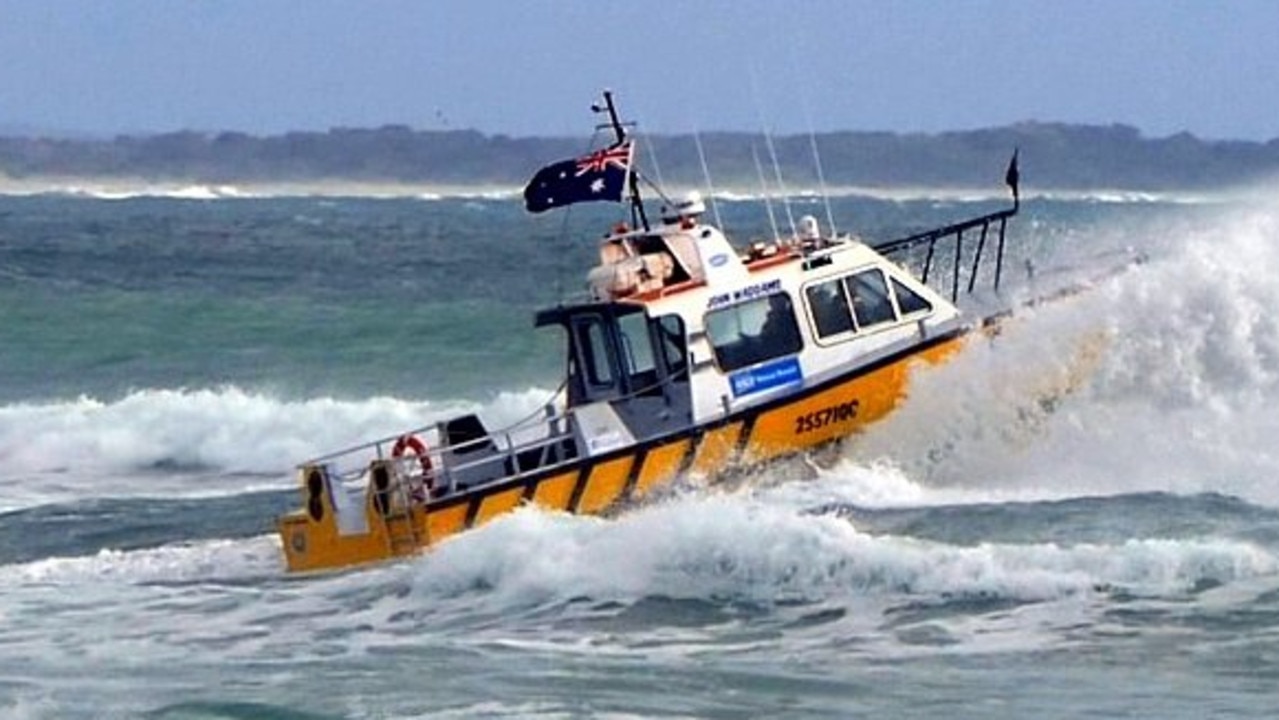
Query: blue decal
(766,377)
(718,260)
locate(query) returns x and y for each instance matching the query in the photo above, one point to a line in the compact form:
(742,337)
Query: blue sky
(532,67)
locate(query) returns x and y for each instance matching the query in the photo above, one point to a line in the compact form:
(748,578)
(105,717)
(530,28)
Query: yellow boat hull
(809,418)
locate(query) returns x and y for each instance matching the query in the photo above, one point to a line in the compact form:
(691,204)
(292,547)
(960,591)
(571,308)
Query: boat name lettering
(750,292)
(818,419)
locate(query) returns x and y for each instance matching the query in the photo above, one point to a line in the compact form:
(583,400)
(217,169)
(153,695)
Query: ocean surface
(1077,518)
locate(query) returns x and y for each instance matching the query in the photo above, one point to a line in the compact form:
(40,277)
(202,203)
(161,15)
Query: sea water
(1076,518)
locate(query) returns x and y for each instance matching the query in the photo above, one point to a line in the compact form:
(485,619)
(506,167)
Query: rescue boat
(688,358)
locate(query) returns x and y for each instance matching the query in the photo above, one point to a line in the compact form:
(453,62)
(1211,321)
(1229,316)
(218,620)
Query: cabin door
(637,364)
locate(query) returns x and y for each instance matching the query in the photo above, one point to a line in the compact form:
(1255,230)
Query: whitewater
(1041,530)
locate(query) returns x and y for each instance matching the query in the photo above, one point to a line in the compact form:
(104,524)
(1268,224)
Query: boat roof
(560,313)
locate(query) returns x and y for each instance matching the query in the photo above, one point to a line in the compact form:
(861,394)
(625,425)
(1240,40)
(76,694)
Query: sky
(533,67)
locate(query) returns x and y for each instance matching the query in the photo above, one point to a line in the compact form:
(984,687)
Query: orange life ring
(412,442)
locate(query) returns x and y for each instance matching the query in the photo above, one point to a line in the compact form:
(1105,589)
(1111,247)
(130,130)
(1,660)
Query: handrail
(557,424)
(432,428)
(931,238)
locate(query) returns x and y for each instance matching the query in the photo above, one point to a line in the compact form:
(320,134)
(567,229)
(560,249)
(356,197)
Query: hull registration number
(818,419)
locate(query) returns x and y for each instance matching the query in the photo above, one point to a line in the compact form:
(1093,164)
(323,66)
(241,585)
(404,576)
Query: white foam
(117,191)
(898,193)
(751,547)
(210,560)
(32,705)
(1180,397)
(132,188)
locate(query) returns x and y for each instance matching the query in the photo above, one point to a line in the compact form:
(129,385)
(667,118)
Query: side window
(871,303)
(909,301)
(637,352)
(828,305)
(673,344)
(594,346)
(753,332)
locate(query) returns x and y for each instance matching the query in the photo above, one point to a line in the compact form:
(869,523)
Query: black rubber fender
(315,494)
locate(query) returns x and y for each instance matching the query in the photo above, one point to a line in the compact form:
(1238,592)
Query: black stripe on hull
(583,477)
(530,490)
(744,437)
(632,477)
(695,440)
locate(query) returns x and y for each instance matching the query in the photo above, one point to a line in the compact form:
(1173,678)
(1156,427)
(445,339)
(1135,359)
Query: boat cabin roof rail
(458,434)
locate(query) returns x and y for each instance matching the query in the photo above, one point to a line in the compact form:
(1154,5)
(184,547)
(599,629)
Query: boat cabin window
(670,330)
(593,341)
(828,303)
(909,301)
(753,332)
(619,351)
(636,350)
(872,305)
(845,305)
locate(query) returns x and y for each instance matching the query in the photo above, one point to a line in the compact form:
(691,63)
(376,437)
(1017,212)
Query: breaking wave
(62,450)
(1162,378)
(752,548)
(125,189)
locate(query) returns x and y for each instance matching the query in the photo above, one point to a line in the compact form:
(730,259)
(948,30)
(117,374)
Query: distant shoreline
(127,189)
(398,161)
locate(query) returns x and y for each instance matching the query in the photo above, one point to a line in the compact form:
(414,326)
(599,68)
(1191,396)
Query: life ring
(412,442)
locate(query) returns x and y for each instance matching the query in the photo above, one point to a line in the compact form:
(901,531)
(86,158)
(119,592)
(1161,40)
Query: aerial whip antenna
(710,186)
(781,185)
(817,164)
(768,196)
(812,139)
(772,153)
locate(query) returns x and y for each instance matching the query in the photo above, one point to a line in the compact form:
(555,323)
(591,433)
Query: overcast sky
(532,67)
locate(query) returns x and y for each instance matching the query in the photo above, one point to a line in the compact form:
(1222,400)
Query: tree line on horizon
(1053,156)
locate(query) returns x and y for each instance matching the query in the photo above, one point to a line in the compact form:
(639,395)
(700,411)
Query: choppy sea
(1019,540)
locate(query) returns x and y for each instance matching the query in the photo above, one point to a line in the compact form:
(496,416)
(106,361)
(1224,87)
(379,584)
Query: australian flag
(599,176)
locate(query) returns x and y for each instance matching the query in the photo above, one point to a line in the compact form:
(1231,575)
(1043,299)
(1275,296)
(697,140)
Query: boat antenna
(657,166)
(710,186)
(781,185)
(614,123)
(638,217)
(812,136)
(656,187)
(772,153)
(817,164)
(768,195)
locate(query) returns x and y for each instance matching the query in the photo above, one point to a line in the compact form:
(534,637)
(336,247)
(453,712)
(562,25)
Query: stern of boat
(337,528)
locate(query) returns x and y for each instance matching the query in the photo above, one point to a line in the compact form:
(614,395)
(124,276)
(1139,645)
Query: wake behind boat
(690,357)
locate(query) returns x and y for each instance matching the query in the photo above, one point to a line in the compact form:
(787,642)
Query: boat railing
(437,467)
(534,443)
(944,250)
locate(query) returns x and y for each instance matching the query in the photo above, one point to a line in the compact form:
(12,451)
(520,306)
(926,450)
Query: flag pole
(638,216)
